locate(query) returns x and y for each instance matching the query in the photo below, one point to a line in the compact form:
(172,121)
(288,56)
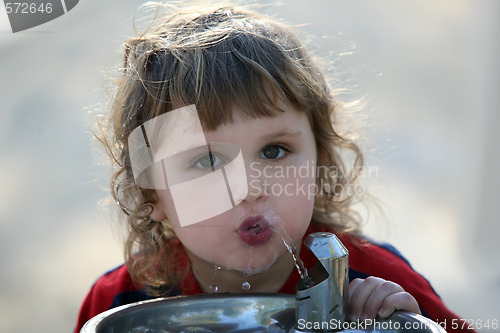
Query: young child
(223,134)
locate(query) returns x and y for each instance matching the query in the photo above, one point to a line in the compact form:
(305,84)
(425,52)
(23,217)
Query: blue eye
(273,152)
(208,161)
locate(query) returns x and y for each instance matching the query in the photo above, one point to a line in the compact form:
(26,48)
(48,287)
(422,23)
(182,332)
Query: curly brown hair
(215,58)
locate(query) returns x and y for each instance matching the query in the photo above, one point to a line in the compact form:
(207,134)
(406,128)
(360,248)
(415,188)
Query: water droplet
(245,286)
(213,287)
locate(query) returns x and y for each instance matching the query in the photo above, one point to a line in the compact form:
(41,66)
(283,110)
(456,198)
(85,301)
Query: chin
(255,269)
(265,260)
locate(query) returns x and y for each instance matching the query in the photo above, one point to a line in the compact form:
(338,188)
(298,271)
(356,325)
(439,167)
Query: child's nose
(257,186)
(256,191)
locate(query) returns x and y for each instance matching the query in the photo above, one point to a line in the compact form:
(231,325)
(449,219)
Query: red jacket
(116,287)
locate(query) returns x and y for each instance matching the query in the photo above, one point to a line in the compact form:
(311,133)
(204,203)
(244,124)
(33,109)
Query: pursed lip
(255,230)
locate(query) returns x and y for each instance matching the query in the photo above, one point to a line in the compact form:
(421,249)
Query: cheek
(295,204)
(193,237)
(203,239)
(165,206)
(298,187)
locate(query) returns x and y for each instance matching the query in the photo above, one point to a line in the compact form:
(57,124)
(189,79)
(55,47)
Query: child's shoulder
(113,286)
(112,289)
(116,280)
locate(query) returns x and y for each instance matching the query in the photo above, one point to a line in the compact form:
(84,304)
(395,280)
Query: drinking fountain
(319,305)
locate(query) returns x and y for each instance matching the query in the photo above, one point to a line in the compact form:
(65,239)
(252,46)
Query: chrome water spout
(322,297)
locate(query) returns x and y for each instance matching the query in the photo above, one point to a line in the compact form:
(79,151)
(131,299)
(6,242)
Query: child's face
(279,155)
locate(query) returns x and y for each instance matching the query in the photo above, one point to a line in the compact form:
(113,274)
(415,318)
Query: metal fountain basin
(235,313)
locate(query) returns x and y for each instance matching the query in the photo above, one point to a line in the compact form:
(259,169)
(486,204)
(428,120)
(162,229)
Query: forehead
(285,120)
(253,102)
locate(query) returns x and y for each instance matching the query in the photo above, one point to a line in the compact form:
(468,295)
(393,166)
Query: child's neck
(232,281)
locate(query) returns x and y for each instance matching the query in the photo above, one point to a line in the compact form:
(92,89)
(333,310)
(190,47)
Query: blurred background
(430,76)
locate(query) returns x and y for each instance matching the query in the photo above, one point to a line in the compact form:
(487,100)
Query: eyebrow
(282,133)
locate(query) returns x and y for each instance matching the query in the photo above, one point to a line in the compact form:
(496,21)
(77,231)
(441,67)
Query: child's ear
(157,212)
